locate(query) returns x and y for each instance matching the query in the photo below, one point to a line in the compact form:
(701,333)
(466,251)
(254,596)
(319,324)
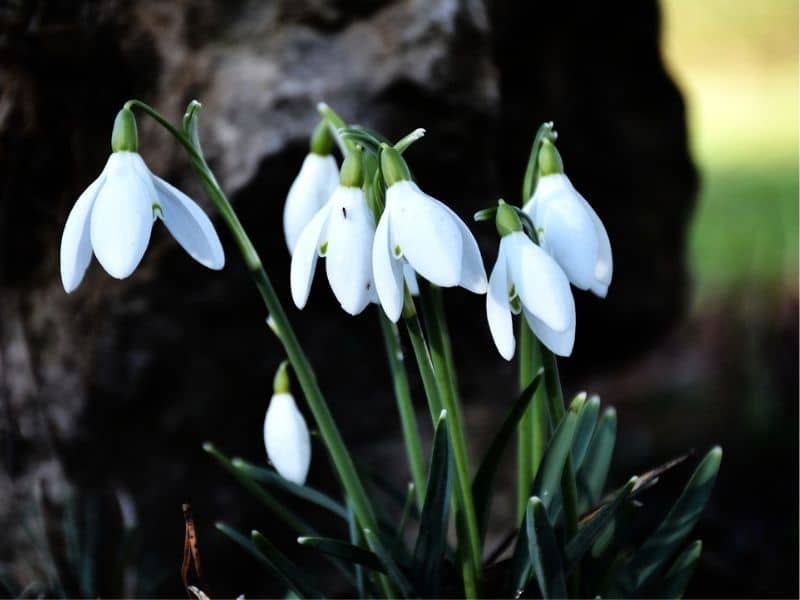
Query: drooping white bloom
(418,230)
(572,233)
(286,438)
(114,217)
(342,231)
(311,189)
(525,278)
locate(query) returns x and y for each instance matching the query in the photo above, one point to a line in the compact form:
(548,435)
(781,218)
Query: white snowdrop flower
(342,232)
(114,216)
(418,230)
(526,279)
(286,436)
(568,228)
(313,186)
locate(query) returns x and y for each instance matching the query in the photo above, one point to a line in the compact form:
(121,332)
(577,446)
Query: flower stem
(302,367)
(424,364)
(408,420)
(444,370)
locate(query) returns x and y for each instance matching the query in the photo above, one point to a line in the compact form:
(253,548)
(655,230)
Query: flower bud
(286,436)
(550,162)
(393,166)
(124,136)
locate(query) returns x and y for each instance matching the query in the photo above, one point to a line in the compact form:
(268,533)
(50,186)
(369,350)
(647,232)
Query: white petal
(76,244)
(473,274)
(498,311)
(310,190)
(304,259)
(540,283)
(348,262)
(122,216)
(566,230)
(286,439)
(559,342)
(189,225)
(411,279)
(428,235)
(387,271)
(604,267)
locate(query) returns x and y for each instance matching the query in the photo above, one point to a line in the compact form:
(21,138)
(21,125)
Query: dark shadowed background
(107,394)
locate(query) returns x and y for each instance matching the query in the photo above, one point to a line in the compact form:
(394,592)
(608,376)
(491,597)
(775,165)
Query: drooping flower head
(569,229)
(526,279)
(114,216)
(313,186)
(286,436)
(342,232)
(416,229)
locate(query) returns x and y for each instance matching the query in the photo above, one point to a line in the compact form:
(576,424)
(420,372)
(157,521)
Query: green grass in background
(736,63)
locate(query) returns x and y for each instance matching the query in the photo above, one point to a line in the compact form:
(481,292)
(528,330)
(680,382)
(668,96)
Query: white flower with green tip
(114,216)
(286,437)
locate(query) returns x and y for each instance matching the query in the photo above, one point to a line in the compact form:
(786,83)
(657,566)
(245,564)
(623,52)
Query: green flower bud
(352,173)
(393,166)
(322,139)
(280,385)
(124,136)
(506,219)
(550,162)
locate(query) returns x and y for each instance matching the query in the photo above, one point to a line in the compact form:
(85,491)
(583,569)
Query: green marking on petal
(157,210)
(516,305)
(512,292)
(398,252)
(323,249)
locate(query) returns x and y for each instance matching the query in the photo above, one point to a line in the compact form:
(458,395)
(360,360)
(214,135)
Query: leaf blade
(544,552)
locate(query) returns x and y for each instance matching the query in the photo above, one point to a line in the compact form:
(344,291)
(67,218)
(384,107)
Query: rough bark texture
(115,386)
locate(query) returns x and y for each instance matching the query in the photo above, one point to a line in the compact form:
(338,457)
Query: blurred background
(678,121)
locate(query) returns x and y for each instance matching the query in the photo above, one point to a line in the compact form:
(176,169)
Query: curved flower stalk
(417,230)
(568,228)
(526,279)
(342,232)
(313,186)
(286,436)
(114,216)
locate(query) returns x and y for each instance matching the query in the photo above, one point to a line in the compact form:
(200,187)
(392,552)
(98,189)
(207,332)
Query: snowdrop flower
(313,186)
(526,279)
(114,216)
(341,231)
(568,228)
(418,230)
(286,436)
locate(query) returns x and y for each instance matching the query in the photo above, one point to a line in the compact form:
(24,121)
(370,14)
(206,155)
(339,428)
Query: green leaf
(591,477)
(271,479)
(587,419)
(272,558)
(482,484)
(343,550)
(544,551)
(389,565)
(432,537)
(355,539)
(680,572)
(592,528)
(545,485)
(648,561)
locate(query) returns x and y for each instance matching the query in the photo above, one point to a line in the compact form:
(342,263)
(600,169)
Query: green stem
(444,370)
(424,364)
(294,352)
(555,398)
(408,420)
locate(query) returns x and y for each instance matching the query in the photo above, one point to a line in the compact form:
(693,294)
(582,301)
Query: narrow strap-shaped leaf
(591,477)
(345,551)
(273,480)
(398,579)
(648,561)
(680,572)
(352,527)
(482,484)
(547,481)
(592,528)
(300,579)
(432,537)
(284,570)
(544,552)
(587,419)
